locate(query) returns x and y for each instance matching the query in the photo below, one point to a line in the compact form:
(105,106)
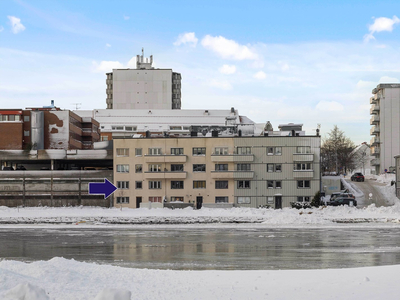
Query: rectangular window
(270,150)
(176,185)
(104,138)
(221,167)
(26,132)
(270,184)
(154,185)
(199,151)
(176,151)
(303,199)
(122,152)
(155,199)
(270,200)
(278,168)
(221,184)
(243,167)
(243,150)
(173,199)
(270,168)
(177,168)
(243,200)
(278,184)
(11,118)
(221,151)
(138,151)
(302,166)
(303,184)
(199,168)
(122,168)
(122,200)
(154,168)
(199,184)
(303,149)
(117,127)
(221,199)
(154,151)
(26,118)
(243,184)
(130,128)
(138,169)
(278,150)
(138,184)
(123,185)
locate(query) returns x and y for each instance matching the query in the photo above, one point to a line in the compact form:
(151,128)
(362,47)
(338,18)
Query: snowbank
(60,279)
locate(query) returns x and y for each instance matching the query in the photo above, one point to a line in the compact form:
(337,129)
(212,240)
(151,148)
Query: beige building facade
(264,171)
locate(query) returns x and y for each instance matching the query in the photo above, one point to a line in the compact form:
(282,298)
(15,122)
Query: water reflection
(198,249)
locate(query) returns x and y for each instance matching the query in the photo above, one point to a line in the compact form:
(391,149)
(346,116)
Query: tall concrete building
(144,87)
(385,111)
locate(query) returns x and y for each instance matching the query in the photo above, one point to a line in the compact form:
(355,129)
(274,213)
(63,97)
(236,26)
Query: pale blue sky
(281,61)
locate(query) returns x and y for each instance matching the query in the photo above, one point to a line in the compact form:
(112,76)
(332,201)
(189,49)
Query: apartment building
(385,118)
(263,171)
(144,87)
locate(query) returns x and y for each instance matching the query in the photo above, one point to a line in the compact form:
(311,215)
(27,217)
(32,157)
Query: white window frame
(221,151)
(199,184)
(243,184)
(122,200)
(124,168)
(124,185)
(138,151)
(176,151)
(122,152)
(155,151)
(244,200)
(154,168)
(154,185)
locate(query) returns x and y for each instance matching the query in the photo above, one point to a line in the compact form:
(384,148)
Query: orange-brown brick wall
(11,135)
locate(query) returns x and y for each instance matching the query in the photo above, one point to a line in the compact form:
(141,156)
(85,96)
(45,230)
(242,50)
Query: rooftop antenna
(77,105)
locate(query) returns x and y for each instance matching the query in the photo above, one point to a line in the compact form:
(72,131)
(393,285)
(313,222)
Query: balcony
(165,175)
(375,141)
(375,120)
(303,174)
(303,157)
(165,158)
(375,151)
(374,109)
(222,174)
(232,158)
(243,174)
(374,130)
(372,100)
(375,162)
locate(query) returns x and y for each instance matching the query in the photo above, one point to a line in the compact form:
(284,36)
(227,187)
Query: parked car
(21,168)
(357,177)
(334,195)
(342,195)
(342,201)
(8,169)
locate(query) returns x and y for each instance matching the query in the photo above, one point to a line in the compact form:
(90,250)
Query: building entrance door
(138,201)
(199,202)
(278,202)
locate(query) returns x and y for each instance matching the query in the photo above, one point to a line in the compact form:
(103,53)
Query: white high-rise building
(385,111)
(144,87)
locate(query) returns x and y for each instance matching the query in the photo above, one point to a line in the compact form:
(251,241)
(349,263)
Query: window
(243,150)
(302,166)
(278,184)
(154,151)
(177,151)
(122,200)
(104,138)
(221,151)
(175,127)
(138,184)
(138,168)
(26,132)
(130,128)
(243,167)
(274,150)
(154,185)
(303,149)
(199,168)
(11,118)
(270,150)
(221,199)
(176,168)
(176,199)
(221,167)
(303,199)
(122,152)
(123,184)
(154,199)
(154,168)
(199,151)
(278,168)
(270,168)
(176,184)
(122,168)
(199,184)
(278,150)
(303,184)
(243,184)
(243,200)
(138,151)
(270,184)
(221,184)
(117,127)
(270,200)
(26,118)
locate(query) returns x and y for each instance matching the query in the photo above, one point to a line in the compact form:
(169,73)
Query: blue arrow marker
(99,188)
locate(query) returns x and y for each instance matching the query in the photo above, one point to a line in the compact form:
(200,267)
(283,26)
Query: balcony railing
(165,158)
(375,162)
(374,130)
(303,174)
(375,151)
(222,174)
(374,120)
(375,141)
(232,158)
(165,175)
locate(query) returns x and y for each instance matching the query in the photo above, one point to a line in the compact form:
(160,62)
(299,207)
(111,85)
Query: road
(368,187)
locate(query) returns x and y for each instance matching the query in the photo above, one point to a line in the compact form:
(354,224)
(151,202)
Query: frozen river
(201,248)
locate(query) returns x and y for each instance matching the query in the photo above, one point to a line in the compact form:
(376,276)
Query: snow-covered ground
(59,278)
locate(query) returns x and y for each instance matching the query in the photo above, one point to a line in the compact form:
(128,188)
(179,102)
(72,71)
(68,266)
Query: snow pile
(353,188)
(26,291)
(63,279)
